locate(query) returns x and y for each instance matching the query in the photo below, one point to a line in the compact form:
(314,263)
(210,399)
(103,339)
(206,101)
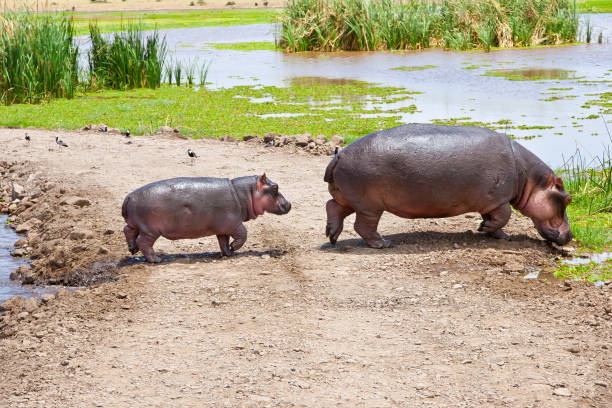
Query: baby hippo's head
(267,198)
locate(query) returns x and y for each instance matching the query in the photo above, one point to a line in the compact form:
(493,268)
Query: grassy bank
(330,25)
(595,6)
(308,105)
(112,21)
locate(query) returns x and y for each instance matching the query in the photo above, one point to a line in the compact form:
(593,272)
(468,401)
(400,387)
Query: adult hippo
(433,171)
(193,207)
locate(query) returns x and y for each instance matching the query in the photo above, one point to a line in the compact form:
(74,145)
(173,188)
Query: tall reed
(37,58)
(131,59)
(329,25)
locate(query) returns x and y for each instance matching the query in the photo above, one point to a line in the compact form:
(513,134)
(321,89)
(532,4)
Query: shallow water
(448,91)
(8,264)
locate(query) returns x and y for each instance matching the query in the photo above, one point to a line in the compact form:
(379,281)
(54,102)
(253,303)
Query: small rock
(80,234)
(12,304)
(103,250)
(248,137)
(30,304)
(228,138)
(457,286)
(30,224)
(109,232)
(265,256)
(62,293)
(303,140)
(165,129)
(47,298)
(514,268)
(18,191)
(27,278)
(456,245)
(268,137)
(562,392)
(321,139)
(420,386)
(337,140)
(601,384)
(65,363)
(573,349)
(76,201)
(122,295)
(21,243)
(19,252)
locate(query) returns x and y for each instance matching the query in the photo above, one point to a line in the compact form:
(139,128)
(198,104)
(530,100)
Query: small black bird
(191,154)
(336,151)
(60,142)
(27,137)
(127,133)
(104,129)
(270,143)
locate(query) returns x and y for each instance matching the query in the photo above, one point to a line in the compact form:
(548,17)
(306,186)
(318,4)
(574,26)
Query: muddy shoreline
(287,321)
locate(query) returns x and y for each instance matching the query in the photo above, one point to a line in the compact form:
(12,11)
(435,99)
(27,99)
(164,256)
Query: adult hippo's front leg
(495,220)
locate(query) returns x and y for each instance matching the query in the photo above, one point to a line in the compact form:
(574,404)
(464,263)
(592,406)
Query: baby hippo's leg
(240,236)
(494,220)
(224,245)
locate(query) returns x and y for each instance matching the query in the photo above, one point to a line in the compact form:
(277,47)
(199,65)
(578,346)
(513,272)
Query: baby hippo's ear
(261,182)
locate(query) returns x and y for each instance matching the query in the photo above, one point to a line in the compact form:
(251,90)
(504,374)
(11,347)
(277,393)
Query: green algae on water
(531,74)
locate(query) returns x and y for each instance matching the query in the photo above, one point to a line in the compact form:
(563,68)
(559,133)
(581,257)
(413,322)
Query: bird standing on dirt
(60,142)
(127,133)
(27,137)
(103,129)
(192,154)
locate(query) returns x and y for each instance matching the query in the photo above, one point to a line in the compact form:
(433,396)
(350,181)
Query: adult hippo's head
(545,205)
(267,198)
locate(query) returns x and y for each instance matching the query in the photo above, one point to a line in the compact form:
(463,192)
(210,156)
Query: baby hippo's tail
(329,172)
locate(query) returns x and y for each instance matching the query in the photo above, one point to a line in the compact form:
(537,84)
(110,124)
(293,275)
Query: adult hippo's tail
(329,172)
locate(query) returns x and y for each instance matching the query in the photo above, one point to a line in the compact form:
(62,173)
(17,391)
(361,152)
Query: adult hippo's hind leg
(335,220)
(145,244)
(366,225)
(495,220)
(131,233)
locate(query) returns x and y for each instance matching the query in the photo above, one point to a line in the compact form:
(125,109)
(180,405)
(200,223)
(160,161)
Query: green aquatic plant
(244,46)
(130,60)
(415,68)
(331,25)
(531,74)
(38,59)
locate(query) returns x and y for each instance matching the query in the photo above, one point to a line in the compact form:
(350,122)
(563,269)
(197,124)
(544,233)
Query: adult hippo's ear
(262,182)
(559,183)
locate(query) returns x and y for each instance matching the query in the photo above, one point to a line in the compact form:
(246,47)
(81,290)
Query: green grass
(531,74)
(331,25)
(112,21)
(415,68)
(604,102)
(595,6)
(244,46)
(591,271)
(226,111)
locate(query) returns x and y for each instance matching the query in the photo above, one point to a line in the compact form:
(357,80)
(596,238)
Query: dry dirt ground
(134,5)
(441,319)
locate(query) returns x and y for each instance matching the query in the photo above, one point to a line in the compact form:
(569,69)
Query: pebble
(457,286)
(573,349)
(562,392)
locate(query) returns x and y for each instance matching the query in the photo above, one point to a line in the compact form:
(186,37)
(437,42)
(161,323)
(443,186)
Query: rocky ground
(441,319)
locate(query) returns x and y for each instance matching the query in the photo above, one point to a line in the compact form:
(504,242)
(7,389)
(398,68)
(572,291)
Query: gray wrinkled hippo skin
(433,171)
(197,207)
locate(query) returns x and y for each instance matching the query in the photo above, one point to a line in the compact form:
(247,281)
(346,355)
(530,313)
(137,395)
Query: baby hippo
(193,207)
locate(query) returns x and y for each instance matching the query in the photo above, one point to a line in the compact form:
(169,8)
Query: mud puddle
(8,264)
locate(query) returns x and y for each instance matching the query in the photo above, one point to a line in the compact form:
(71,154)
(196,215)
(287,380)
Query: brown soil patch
(441,319)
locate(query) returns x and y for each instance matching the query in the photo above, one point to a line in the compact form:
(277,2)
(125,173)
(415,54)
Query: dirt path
(439,320)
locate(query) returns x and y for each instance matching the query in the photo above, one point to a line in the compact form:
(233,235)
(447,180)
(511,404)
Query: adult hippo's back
(432,171)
